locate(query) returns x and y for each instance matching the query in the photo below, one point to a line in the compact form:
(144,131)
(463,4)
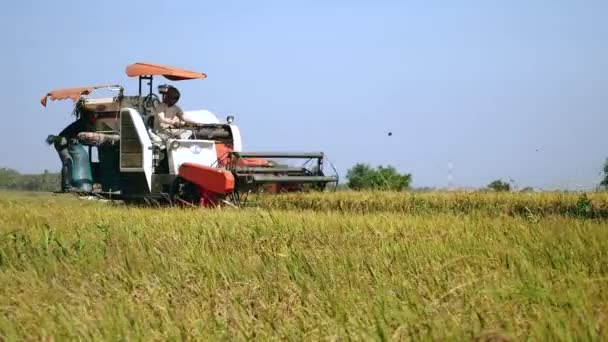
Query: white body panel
(192,151)
(237,143)
(146,144)
(201,116)
(179,151)
(102,104)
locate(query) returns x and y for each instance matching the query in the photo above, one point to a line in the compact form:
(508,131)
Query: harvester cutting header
(149,150)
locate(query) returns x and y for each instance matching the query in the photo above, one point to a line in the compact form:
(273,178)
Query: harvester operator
(168,116)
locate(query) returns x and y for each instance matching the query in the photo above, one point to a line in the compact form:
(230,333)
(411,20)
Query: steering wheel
(151,101)
(149,104)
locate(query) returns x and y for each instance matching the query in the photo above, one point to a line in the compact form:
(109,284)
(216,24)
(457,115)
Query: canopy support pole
(149,78)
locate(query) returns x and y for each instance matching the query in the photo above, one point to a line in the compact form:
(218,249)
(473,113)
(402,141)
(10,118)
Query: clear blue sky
(503,89)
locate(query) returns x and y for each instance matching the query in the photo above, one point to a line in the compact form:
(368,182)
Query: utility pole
(450,176)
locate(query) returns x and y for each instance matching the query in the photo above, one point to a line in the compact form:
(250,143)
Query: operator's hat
(164,88)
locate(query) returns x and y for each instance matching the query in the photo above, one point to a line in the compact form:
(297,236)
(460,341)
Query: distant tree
(359,176)
(364,177)
(8,178)
(13,180)
(499,185)
(604,182)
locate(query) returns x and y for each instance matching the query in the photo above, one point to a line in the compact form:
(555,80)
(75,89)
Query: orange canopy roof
(72,93)
(169,72)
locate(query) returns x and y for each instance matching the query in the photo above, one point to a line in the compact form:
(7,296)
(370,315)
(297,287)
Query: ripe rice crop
(518,204)
(74,269)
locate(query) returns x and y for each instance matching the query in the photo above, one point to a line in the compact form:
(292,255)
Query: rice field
(582,205)
(361,266)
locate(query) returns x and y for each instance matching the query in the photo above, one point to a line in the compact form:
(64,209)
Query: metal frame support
(319,166)
(150,78)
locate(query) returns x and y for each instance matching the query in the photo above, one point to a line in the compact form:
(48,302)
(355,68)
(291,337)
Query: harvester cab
(203,164)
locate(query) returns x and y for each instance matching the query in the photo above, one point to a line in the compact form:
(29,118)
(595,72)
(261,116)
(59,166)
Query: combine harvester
(207,169)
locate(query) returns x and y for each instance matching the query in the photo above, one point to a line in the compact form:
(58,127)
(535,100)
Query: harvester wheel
(184,193)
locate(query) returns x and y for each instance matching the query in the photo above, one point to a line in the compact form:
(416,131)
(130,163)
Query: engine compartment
(219,133)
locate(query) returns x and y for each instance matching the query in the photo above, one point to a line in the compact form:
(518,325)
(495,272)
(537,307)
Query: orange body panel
(221,151)
(253,162)
(222,156)
(169,72)
(209,178)
(71,93)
